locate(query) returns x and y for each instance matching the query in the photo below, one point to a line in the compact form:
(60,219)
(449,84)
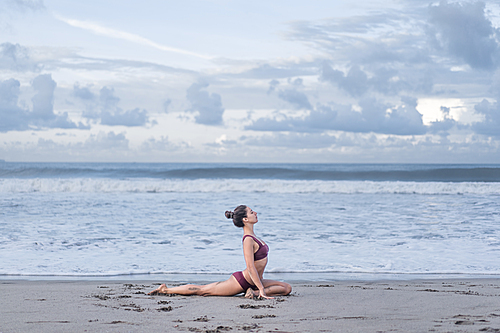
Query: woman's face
(251,216)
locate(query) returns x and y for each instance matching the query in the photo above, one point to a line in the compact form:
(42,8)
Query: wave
(373,172)
(304,274)
(137,185)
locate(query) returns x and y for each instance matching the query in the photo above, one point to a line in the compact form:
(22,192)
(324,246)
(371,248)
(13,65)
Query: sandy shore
(344,306)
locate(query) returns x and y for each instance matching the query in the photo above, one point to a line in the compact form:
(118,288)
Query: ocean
(322,222)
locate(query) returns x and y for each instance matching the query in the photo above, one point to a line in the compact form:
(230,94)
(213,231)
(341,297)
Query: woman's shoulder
(255,239)
(251,236)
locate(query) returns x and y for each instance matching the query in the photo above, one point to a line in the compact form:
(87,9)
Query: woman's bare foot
(160,290)
(250,293)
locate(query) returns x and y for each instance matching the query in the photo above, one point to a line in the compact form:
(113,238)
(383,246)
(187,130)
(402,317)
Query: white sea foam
(148,185)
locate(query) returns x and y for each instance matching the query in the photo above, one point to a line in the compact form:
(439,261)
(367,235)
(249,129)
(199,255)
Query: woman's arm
(248,252)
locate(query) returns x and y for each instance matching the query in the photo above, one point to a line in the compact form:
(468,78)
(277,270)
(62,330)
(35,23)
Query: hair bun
(229,214)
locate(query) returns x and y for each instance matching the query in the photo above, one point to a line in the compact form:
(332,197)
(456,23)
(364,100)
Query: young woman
(249,280)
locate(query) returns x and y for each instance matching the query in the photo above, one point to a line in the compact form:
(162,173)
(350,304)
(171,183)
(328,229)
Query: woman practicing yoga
(249,280)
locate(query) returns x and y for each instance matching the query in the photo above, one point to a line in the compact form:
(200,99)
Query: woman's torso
(261,251)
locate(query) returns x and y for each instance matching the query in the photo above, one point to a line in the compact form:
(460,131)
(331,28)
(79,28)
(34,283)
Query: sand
(471,305)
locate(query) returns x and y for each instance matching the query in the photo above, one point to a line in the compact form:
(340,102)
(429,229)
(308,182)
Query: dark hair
(238,215)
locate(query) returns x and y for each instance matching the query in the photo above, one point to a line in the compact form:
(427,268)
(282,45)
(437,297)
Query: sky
(393,81)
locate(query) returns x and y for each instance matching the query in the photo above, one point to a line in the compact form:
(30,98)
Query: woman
(250,280)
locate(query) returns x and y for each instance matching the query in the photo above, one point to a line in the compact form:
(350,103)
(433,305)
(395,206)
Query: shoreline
(438,305)
(291,277)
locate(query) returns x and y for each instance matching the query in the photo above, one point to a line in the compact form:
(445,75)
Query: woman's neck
(248,229)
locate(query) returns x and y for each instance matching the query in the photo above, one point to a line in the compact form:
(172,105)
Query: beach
(434,305)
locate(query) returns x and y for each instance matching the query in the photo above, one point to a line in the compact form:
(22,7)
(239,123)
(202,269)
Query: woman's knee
(288,289)
(282,288)
(207,290)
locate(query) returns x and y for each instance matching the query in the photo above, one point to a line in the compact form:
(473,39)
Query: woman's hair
(238,215)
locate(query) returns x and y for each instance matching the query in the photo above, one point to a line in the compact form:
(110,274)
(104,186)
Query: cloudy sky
(250,81)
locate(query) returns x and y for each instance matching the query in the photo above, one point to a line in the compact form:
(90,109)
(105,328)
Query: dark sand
(468,305)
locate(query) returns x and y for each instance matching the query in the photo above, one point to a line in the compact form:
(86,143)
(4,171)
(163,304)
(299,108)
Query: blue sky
(234,81)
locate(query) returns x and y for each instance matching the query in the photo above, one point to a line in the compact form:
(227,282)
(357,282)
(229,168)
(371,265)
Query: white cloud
(463,31)
(375,117)
(17,58)
(42,115)
(12,116)
(207,106)
(162,145)
(104,108)
(113,33)
(296,98)
(25,4)
(293,140)
(490,126)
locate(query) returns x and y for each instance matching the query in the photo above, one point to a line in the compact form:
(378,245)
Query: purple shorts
(243,282)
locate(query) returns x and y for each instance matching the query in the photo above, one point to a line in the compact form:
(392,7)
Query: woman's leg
(187,289)
(272,288)
(229,287)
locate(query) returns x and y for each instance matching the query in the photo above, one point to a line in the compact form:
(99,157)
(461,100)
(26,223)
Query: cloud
(298,99)
(278,70)
(18,58)
(113,33)
(374,117)
(10,8)
(222,142)
(83,93)
(12,117)
(97,147)
(272,85)
(104,108)
(44,97)
(384,80)
(400,120)
(292,140)
(443,127)
(162,144)
(106,141)
(166,105)
(77,62)
(292,95)
(101,146)
(405,51)
(25,4)
(401,53)
(463,31)
(207,106)
(382,37)
(490,126)
(43,109)
(42,115)
(355,82)
(350,147)
(135,117)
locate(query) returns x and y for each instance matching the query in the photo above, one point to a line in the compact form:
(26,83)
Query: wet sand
(471,305)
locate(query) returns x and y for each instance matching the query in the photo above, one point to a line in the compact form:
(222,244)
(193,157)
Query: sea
(322,222)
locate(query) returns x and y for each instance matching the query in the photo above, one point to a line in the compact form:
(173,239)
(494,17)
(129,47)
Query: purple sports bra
(261,252)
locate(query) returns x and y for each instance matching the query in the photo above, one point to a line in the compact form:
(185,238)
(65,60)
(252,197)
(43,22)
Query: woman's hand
(262,294)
